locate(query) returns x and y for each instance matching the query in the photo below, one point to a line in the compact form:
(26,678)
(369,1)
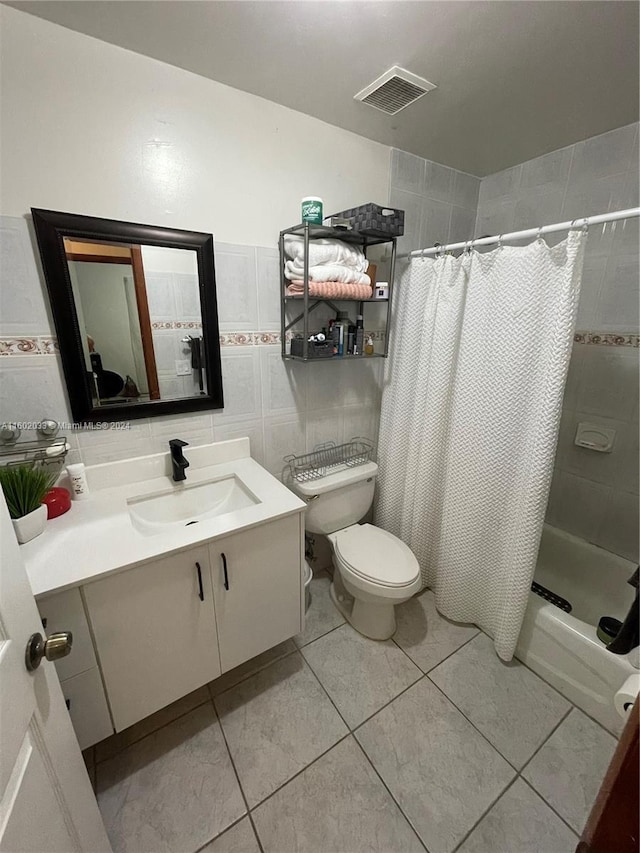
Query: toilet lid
(376,555)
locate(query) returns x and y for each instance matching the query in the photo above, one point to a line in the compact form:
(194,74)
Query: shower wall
(594,495)
(439,203)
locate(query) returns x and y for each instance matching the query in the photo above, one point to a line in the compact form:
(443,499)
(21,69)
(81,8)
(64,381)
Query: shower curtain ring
(539,234)
(500,241)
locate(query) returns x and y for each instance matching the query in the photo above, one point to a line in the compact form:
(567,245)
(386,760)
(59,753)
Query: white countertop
(97,537)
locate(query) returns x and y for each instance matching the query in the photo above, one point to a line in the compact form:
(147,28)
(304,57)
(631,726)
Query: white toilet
(374,569)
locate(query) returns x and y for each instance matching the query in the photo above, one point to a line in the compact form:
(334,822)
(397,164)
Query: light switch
(183,367)
(595,437)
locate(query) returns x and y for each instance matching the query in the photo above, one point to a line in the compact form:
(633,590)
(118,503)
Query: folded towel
(326,272)
(331,290)
(325,252)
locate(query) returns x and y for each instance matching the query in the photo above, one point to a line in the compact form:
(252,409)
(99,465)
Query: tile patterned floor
(332,742)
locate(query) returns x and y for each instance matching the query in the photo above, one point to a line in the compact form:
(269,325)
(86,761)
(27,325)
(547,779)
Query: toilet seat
(376,556)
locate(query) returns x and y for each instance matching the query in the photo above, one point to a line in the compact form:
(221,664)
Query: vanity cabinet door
(155,633)
(257,587)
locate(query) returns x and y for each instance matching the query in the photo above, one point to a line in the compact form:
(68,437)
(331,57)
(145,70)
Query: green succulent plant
(24,488)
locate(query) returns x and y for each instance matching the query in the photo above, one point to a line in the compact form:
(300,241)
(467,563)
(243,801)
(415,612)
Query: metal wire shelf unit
(309,303)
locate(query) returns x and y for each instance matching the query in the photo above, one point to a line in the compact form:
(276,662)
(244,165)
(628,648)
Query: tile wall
(283,407)
(174,311)
(594,495)
(439,203)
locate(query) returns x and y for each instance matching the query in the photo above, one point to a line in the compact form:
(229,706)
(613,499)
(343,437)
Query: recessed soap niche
(595,437)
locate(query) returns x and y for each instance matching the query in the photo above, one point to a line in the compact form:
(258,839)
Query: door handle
(55,647)
(200,589)
(226,574)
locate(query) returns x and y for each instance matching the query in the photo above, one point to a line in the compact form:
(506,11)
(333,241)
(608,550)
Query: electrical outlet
(183,367)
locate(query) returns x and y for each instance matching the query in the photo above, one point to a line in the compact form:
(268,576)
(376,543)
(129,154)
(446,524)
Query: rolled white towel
(326,272)
(327,251)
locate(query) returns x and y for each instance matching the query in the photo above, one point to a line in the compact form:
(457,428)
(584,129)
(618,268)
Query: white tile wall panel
(24,306)
(283,383)
(32,388)
(407,172)
(236,287)
(268,276)
(241,383)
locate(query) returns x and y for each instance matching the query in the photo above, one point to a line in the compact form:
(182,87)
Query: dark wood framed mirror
(136,315)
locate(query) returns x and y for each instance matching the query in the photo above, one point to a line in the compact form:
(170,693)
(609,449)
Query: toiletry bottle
(330,337)
(358,344)
(78,481)
(351,336)
(340,332)
(368,347)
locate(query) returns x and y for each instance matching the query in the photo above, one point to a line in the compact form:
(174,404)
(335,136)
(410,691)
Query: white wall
(90,128)
(169,260)
(106,316)
(593,495)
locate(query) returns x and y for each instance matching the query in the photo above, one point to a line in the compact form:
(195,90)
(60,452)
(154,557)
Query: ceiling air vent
(394,90)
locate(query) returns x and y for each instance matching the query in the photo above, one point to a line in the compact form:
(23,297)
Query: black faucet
(178,462)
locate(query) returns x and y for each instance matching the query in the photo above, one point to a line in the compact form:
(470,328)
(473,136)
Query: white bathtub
(562,647)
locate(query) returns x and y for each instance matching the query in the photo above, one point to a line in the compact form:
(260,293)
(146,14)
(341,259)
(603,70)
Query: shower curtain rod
(614,216)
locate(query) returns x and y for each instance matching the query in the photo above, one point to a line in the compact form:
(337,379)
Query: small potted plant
(24,488)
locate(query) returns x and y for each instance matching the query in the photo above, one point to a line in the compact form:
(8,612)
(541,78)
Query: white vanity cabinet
(257,589)
(155,633)
(78,673)
(145,636)
(159,609)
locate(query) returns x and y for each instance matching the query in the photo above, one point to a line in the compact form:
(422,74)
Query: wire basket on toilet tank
(326,459)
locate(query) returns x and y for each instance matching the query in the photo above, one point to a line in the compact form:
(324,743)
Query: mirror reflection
(140,320)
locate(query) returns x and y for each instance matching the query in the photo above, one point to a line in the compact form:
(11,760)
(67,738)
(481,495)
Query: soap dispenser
(368,347)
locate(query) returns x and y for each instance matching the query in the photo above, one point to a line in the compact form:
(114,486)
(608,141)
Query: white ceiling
(515,79)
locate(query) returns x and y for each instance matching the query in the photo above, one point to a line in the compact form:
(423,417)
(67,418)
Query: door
(257,589)
(155,633)
(613,822)
(46,801)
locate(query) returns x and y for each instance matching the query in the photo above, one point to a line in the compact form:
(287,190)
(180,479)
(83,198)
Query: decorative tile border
(178,324)
(248,339)
(607,339)
(49,345)
(29,346)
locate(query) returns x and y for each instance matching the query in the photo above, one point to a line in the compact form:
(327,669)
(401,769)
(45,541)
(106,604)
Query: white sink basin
(186,504)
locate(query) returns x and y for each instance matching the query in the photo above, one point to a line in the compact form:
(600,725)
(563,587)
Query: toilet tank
(337,500)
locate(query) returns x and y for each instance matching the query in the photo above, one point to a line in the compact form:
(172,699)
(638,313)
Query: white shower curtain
(480,349)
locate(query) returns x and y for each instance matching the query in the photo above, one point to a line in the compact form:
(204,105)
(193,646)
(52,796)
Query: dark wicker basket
(373,220)
(315,349)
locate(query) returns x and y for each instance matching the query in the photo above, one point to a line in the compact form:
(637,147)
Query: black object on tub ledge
(628,637)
